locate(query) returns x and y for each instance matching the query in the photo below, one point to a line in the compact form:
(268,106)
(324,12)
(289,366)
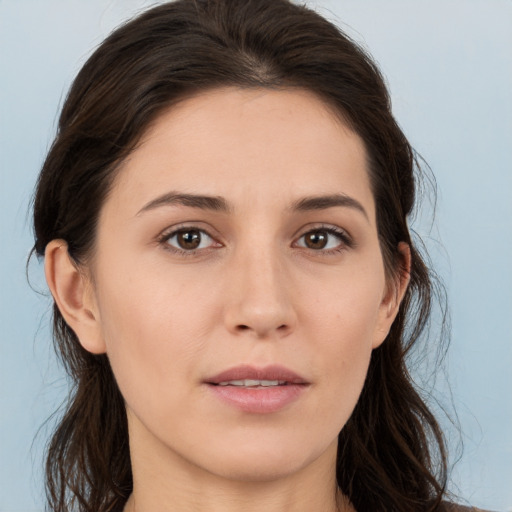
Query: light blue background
(449,67)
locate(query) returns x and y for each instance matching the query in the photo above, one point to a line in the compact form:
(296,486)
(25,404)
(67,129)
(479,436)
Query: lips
(257,390)
(267,373)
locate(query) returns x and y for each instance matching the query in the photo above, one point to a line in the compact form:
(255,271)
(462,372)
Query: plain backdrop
(448,64)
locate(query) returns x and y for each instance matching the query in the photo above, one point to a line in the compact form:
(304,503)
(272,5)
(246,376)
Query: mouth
(251,383)
(257,390)
(251,376)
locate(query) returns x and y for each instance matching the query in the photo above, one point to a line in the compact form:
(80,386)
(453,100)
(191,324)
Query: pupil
(189,239)
(316,240)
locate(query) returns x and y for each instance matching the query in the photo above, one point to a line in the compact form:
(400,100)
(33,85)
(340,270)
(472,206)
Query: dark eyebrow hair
(215,203)
(219,204)
(329,201)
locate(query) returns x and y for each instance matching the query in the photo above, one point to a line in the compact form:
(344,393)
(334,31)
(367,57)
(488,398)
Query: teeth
(252,383)
(232,383)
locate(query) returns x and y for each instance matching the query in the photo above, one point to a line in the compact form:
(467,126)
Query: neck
(221,502)
(252,501)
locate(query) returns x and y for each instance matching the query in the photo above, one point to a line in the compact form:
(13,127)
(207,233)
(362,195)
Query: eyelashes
(188,241)
(192,240)
(325,239)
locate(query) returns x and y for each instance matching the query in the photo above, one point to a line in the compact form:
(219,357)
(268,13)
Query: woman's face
(241,232)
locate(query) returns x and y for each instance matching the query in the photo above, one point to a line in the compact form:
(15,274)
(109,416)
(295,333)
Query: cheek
(342,323)
(346,308)
(343,354)
(155,328)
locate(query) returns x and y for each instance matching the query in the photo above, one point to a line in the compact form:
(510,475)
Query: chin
(263,462)
(259,471)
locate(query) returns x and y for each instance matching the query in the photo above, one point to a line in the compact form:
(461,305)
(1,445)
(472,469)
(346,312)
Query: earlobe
(394,294)
(73,295)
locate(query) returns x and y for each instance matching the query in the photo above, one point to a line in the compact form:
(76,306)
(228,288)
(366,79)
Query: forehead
(248,144)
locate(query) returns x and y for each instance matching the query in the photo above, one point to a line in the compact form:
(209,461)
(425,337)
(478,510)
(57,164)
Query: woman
(223,216)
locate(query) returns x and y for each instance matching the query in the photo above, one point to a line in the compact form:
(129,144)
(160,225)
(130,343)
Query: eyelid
(346,240)
(172,231)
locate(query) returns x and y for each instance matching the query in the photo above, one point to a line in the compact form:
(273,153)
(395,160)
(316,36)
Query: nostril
(242,327)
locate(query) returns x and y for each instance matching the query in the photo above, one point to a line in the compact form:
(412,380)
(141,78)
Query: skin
(253,293)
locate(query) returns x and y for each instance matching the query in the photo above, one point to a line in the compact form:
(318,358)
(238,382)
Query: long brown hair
(391,455)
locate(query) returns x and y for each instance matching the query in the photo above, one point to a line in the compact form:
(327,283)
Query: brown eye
(316,239)
(189,240)
(325,240)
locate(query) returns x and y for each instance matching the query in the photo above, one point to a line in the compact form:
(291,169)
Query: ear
(394,293)
(73,294)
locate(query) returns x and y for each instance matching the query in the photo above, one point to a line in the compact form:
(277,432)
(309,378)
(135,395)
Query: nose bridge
(259,299)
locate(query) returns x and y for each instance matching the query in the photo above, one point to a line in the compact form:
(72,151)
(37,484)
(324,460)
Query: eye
(188,240)
(325,239)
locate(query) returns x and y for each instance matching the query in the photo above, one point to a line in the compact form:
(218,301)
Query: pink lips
(258,399)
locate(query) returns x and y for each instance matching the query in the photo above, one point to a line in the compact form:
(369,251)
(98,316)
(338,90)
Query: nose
(258,297)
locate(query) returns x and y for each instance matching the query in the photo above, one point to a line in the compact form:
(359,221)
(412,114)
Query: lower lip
(260,400)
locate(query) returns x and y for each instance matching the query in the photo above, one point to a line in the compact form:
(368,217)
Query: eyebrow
(215,203)
(330,201)
(219,204)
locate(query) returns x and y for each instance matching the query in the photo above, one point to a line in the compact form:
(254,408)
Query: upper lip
(272,372)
